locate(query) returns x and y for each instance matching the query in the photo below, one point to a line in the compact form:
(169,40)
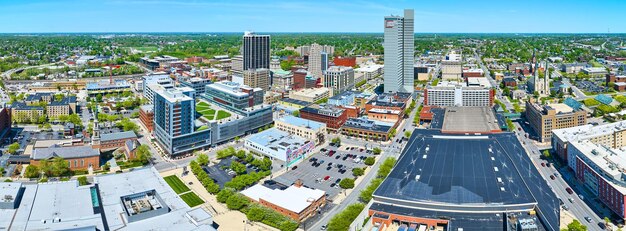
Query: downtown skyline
(302,16)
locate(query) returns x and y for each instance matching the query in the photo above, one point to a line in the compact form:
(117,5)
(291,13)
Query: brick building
(296,202)
(332,116)
(345,61)
(115,140)
(146,116)
(5,122)
(78,157)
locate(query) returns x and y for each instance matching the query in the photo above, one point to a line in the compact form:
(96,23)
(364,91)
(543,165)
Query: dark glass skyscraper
(256,51)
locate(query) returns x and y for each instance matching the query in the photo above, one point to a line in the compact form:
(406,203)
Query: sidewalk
(227,219)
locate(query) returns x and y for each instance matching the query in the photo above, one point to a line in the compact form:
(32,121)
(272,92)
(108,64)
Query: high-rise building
(315,61)
(257,78)
(339,79)
(256,51)
(237,64)
(174,116)
(399,53)
(324,60)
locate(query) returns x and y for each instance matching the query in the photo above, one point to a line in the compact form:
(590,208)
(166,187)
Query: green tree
(12,149)
(255,213)
(369,161)
(346,183)
(143,154)
(203,159)
(358,172)
(31,171)
(336,141)
(60,167)
(239,168)
(341,221)
(575,226)
(376,151)
(296,113)
(82,180)
(224,194)
(407,134)
(546,153)
(236,201)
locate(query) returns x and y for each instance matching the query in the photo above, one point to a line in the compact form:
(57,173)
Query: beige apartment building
(545,118)
(257,78)
(310,95)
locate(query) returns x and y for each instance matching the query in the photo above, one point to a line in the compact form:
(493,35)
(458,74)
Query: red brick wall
(427,221)
(94,161)
(345,61)
(147,119)
(331,122)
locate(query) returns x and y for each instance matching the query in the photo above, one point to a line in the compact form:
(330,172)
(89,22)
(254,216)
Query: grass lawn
(191,199)
(222,114)
(176,184)
(209,113)
(203,104)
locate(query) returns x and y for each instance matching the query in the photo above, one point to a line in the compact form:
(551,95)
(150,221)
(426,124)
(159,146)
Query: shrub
(369,161)
(346,183)
(357,172)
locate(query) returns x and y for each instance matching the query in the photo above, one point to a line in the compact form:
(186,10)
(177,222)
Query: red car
(543,164)
(552,177)
(569,190)
(326,178)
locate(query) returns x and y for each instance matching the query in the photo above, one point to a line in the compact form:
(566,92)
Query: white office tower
(315,61)
(399,53)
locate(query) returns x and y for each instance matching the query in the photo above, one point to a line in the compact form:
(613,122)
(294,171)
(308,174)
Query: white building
(280,145)
(310,95)
(315,61)
(151,81)
(339,79)
(476,92)
(308,129)
(399,52)
(370,71)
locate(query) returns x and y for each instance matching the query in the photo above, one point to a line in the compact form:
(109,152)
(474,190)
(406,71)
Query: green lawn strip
(200,107)
(222,114)
(176,184)
(191,199)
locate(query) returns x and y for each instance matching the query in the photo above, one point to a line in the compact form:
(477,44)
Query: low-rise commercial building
(544,119)
(332,116)
(297,202)
(595,72)
(308,129)
(451,70)
(345,98)
(280,145)
(104,87)
(310,95)
(572,68)
(370,71)
(367,129)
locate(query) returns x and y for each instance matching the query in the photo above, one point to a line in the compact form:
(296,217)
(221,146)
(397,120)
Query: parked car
(588,219)
(569,190)
(552,177)
(337,157)
(543,164)
(332,185)
(326,178)
(294,167)
(328,168)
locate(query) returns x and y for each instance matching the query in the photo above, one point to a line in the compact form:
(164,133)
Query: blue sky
(466,16)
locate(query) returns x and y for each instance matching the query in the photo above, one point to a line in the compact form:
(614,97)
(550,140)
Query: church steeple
(95,138)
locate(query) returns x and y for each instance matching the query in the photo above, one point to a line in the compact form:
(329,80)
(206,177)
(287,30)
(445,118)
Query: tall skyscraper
(399,52)
(256,51)
(315,60)
(324,60)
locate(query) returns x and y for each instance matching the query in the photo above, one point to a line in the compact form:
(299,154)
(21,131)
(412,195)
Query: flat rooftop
(561,108)
(299,122)
(115,186)
(466,174)
(469,120)
(294,198)
(277,140)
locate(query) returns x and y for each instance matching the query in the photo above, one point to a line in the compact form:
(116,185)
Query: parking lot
(590,86)
(221,172)
(324,170)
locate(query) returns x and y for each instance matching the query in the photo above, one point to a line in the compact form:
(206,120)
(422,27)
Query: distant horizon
(301,16)
(266,32)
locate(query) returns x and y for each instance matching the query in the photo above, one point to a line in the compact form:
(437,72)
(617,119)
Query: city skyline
(70,16)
